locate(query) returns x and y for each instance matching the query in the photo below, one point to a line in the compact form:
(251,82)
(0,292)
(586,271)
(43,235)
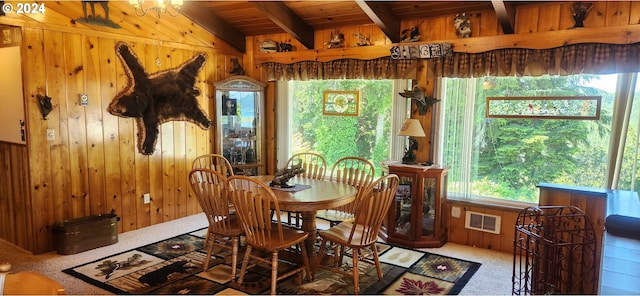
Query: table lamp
(411,128)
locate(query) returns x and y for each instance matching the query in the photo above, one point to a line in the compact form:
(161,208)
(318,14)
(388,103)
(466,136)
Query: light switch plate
(51,134)
(147,198)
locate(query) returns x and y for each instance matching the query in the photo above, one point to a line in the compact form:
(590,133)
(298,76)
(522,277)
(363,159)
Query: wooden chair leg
(208,243)
(245,262)
(274,272)
(341,254)
(377,260)
(356,274)
(234,256)
(305,260)
(323,245)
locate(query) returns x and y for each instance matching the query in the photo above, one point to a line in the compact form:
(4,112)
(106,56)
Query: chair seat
(291,237)
(334,216)
(234,230)
(340,234)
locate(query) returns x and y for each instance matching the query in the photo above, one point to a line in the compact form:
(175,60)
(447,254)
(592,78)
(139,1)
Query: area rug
(174,266)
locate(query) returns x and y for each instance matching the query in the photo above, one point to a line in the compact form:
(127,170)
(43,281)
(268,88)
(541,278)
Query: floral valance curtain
(591,58)
(380,68)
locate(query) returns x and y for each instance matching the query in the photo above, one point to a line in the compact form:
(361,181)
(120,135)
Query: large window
(311,124)
(506,158)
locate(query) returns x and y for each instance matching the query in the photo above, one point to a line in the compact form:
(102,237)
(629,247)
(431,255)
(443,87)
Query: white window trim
(400,111)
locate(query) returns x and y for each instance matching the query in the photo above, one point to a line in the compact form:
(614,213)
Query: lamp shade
(412,128)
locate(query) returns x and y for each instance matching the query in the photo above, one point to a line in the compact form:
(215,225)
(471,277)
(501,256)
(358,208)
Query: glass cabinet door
(403,203)
(429,207)
(240,132)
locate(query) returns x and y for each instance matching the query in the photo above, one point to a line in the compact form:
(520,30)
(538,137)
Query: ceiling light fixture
(170,7)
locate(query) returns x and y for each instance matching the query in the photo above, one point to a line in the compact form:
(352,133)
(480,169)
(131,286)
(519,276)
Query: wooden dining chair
(210,188)
(352,170)
(314,164)
(254,200)
(371,210)
(214,162)
(315,167)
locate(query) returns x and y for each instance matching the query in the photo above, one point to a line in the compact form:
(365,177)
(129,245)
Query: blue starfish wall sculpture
(154,99)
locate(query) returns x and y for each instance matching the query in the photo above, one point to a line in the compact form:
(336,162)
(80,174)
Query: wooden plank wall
(93,165)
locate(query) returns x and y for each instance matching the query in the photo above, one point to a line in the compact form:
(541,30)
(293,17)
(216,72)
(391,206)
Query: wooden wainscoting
(500,242)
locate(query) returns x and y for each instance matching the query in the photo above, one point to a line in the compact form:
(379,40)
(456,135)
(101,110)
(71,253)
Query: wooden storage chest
(86,233)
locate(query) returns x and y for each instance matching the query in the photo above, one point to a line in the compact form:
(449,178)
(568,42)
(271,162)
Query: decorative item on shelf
(237,68)
(422,102)
(337,40)
(283,176)
(579,10)
(410,35)
(44,102)
(90,15)
(171,8)
(463,25)
(268,46)
(284,47)
(421,51)
(411,128)
(363,40)
(250,155)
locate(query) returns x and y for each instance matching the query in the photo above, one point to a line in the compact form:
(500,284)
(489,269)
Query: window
(506,158)
(371,134)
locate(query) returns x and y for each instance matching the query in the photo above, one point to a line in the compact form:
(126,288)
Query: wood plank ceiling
(232,21)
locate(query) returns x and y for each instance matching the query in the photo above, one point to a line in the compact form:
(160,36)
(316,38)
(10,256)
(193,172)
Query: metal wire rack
(554,252)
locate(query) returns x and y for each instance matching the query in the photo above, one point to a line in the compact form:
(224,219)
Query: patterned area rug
(174,266)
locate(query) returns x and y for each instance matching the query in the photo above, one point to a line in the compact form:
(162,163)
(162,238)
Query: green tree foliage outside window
(366,135)
(509,157)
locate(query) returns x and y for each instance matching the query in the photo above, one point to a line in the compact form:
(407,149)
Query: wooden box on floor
(86,233)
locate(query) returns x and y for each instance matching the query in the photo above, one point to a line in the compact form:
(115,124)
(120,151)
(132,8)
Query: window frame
(400,110)
(623,96)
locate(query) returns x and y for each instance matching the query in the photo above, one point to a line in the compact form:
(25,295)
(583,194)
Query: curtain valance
(380,68)
(591,58)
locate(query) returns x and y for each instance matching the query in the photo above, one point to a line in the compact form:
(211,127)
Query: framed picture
(341,102)
(229,106)
(559,107)
(403,192)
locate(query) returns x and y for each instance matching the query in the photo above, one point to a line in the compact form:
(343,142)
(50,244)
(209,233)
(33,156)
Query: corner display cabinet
(240,135)
(416,217)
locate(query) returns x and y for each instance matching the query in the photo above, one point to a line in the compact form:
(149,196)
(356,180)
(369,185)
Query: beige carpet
(493,277)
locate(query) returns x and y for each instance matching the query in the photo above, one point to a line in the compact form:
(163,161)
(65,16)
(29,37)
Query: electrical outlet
(455,212)
(147,198)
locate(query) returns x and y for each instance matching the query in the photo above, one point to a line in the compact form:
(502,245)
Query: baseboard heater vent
(483,222)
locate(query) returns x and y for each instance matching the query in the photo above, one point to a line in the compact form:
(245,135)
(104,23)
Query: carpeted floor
(174,266)
(493,277)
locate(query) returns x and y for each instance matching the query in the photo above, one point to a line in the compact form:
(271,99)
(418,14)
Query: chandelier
(170,7)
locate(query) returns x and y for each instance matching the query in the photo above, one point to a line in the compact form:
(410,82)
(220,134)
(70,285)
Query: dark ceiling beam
(204,17)
(506,14)
(381,14)
(286,19)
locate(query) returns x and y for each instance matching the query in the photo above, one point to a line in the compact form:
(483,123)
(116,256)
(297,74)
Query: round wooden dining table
(321,195)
